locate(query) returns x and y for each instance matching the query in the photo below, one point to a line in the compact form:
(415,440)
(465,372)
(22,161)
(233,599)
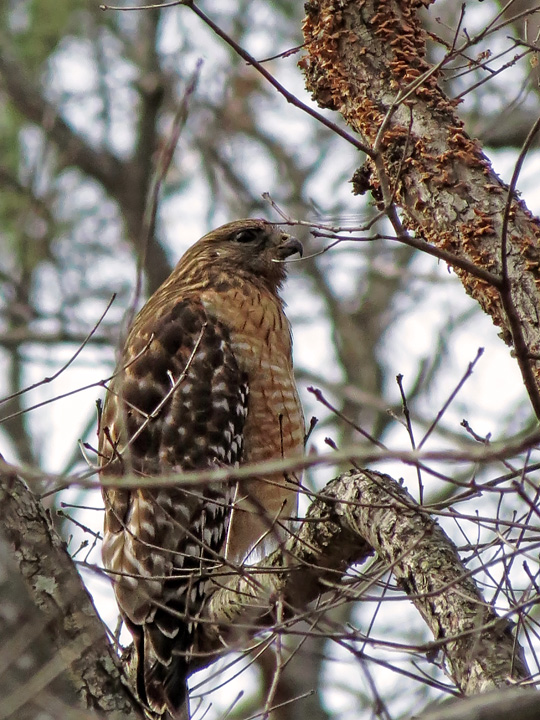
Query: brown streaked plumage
(205,381)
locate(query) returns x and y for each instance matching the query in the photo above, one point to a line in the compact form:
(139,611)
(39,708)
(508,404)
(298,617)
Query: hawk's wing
(178,402)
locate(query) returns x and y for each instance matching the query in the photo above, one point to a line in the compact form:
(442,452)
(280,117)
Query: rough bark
(499,705)
(24,649)
(367,60)
(62,630)
(356,513)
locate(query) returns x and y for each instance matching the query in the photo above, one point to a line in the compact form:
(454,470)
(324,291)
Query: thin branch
(347,454)
(239,50)
(514,320)
(64,367)
(451,397)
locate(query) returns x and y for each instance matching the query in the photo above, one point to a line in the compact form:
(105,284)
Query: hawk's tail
(162,682)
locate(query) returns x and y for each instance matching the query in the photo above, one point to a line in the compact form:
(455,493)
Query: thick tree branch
(367,60)
(68,632)
(355,514)
(25,649)
(498,705)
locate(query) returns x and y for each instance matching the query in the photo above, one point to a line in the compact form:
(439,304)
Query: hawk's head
(252,249)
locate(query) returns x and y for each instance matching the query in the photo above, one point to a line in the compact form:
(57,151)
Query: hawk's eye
(247,235)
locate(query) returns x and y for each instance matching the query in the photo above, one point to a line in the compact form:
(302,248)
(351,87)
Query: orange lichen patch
(493,188)
(365,117)
(452,241)
(363,55)
(464,239)
(388,25)
(490,301)
(529,251)
(466,149)
(483,225)
(446,240)
(528,245)
(394,137)
(339,79)
(534,268)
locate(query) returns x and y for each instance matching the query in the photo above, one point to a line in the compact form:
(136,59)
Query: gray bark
(47,614)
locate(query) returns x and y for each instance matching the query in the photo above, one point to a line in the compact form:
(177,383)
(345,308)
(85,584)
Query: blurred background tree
(88,102)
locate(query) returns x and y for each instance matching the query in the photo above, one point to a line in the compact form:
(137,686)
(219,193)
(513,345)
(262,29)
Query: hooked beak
(290,246)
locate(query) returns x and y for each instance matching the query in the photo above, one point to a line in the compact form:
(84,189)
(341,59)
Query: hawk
(205,381)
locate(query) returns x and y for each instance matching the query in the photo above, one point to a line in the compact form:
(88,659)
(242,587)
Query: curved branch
(356,514)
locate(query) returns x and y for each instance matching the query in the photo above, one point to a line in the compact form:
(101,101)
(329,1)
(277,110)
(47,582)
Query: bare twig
(64,367)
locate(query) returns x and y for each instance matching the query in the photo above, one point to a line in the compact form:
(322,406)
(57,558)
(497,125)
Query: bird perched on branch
(205,381)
